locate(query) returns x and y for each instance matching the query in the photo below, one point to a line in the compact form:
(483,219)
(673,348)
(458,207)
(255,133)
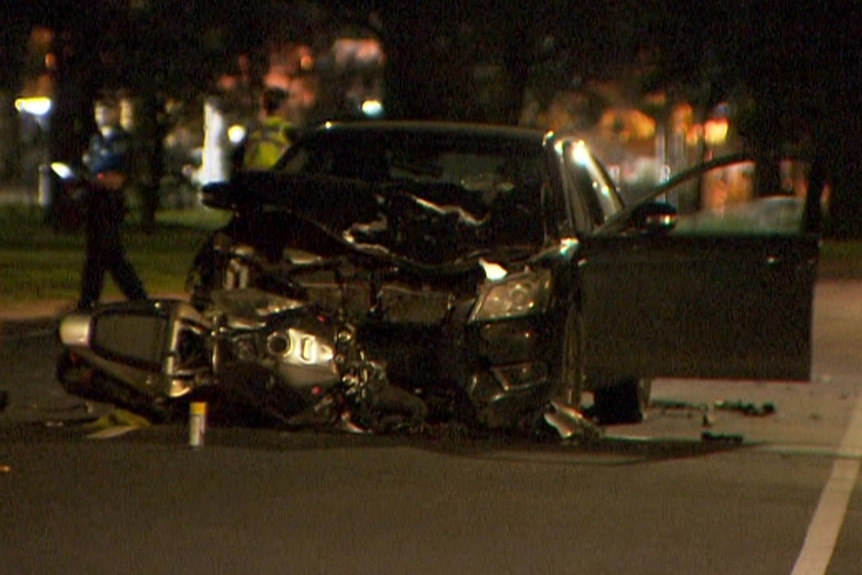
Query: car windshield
(454,193)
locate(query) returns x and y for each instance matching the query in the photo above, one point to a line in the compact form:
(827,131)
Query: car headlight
(516,296)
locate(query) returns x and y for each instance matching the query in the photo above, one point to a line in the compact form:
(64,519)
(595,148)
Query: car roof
(438,127)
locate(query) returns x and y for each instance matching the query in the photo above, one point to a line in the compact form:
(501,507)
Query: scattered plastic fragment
(570,423)
(673,404)
(747,408)
(111,432)
(118,422)
(744,407)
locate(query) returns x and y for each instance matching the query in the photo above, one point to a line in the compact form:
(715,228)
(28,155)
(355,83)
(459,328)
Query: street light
(39,106)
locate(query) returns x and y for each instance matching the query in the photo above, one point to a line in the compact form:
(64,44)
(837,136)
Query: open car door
(726,293)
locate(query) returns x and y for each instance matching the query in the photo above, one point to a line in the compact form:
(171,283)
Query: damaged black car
(492,270)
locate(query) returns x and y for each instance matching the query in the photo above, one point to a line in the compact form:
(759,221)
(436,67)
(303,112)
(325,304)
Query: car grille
(400,304)
(393,303)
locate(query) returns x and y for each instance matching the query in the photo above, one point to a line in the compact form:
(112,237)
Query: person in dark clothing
(110,138)
(104,211)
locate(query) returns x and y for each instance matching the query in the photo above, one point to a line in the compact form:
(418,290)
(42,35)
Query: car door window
(724,201)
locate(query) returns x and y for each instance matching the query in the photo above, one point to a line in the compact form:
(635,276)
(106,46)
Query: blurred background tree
(13,37)
(789,74)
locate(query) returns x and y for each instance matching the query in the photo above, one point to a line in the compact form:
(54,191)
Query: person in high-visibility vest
(271,137)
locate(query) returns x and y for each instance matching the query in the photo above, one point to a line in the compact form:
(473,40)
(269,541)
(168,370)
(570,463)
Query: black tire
(623,403)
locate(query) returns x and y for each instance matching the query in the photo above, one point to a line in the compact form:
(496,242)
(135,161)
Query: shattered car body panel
(493,269)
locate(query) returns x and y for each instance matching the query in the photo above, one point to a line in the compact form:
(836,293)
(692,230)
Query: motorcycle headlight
(516,296)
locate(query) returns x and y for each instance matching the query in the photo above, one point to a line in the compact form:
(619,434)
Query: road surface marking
(826,524)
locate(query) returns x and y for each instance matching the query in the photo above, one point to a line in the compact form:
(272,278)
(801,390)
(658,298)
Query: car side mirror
(655,217)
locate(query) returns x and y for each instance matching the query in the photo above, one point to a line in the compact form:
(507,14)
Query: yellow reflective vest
(266,143)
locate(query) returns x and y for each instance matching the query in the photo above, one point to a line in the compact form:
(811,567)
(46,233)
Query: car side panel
(735,307)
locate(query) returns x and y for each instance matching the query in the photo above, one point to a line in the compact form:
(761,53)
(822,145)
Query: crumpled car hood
(426,226)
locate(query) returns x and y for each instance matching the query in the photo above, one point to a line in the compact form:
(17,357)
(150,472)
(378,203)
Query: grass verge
(37,263)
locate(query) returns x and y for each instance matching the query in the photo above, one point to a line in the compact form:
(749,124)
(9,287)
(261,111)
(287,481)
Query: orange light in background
(357,51)
(306,63)
(715,131)
(693,134)
(40,39)
(627,124)
(682,118)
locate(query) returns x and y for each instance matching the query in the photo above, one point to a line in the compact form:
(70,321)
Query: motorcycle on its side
(254,354)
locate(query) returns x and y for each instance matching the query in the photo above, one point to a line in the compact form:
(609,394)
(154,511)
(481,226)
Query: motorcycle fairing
(140,343)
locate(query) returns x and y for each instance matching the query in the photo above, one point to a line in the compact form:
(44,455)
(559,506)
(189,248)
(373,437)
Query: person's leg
(92,282)
(127,279)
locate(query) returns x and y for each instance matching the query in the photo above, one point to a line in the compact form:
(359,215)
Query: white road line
(826,524)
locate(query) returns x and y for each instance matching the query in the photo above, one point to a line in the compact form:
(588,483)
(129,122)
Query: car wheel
(625,402)
(569,379)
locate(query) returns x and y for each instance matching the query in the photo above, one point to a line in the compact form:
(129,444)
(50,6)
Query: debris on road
(674,404)
(731,438)
(747,408)
(571,423)
(707,410)
(118,422)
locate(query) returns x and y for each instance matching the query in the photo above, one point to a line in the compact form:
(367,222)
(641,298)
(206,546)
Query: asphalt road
(765,494)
